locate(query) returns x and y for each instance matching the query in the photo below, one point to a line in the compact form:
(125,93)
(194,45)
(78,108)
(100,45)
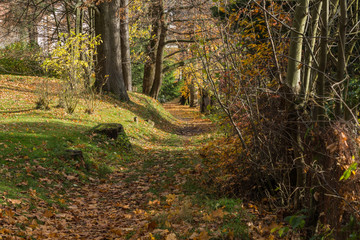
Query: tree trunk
(204,101)
(110,76)
(151,49)
(192,96)
(125,44)
(158,77)
(67,12)
(342,60)
(308,76)
(319,114)
(100,57)
(293,79)
(149,74)
(33,35)
(294,63)
(79,18)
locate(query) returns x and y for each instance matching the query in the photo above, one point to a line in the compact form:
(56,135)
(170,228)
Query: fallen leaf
(171,236)
(203,236)
(117,231)
(48,214)
(219,213)
(151,226)
(14,201)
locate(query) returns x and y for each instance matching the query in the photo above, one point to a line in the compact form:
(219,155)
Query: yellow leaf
(202,236)
(222,9)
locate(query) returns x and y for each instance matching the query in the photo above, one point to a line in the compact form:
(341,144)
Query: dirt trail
(118,209)
(191,120)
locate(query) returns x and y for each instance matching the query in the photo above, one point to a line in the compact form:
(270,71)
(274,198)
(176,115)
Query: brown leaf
(202,236)
(117,231)
(5,231)
(151,226)
(171,236)
(48,214)
(70,178)
(9,212)
(14,201)
(219,213)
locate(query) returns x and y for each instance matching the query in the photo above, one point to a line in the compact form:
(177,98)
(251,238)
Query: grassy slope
(33,143)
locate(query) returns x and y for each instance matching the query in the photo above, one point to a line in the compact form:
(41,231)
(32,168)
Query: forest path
(145,199)
(191,121)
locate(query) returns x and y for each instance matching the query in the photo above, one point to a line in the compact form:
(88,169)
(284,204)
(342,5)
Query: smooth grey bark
(293,80)
(125,44)
(108,25)
(319,114)
(313,29)
(100,73)
(293,77)
(151,48)
(158,76)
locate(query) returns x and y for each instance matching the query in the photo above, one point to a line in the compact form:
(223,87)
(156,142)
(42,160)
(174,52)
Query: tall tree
(125,43)
(156,9)
(158,76)
(110,75)
(295,56)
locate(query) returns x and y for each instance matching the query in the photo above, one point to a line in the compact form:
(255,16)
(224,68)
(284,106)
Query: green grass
(33,143)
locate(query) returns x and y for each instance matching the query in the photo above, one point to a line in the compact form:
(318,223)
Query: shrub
(20,58)
(72,61)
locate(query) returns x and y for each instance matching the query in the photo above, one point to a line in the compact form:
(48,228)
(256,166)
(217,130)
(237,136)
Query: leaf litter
(145,200)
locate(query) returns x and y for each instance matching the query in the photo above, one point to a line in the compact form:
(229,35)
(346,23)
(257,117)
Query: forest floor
(157,191)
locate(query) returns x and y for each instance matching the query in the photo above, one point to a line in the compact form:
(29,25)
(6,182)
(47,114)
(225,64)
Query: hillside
(154,190)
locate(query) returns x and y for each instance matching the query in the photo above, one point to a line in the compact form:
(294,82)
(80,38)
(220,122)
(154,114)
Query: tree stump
(151,123)
(113,131)
(77,156)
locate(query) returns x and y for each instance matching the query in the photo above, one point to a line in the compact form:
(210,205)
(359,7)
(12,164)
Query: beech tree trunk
(158,76)
(151,49)
(294,63)
(152,80)
(293,80)
(309,73)
(192,95)
(110,75)
(319,114)
(125,44)
(204,101)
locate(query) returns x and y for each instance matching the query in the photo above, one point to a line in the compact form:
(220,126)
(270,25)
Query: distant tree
(172,24)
